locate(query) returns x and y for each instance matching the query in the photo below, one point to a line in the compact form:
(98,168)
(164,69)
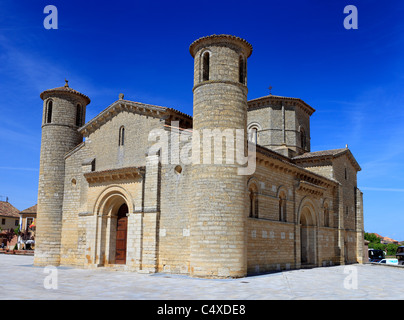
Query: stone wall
(273,244)
(280,121)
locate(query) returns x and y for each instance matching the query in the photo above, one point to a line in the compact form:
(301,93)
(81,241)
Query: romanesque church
(112,195)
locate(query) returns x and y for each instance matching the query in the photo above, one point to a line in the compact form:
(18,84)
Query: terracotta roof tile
(67,89)
(317,155)
(272,98)
(32,209)
(227,37)
(8,210)
(323,153)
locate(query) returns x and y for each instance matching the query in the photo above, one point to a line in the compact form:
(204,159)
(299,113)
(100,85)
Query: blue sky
(353,78)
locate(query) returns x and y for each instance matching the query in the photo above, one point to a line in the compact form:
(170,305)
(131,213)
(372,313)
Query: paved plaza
(22,280)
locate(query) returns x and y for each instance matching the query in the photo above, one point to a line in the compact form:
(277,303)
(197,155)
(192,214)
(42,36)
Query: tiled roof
(317,155)
(8,210)
(32,209)
(65,88)
(220,36)
(257,102)
(333,152)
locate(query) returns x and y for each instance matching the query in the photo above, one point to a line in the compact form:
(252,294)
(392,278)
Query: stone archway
(308,236)
(112,208)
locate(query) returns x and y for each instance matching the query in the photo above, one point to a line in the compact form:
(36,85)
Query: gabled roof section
(30,210)
(331,154)
(8,210)
(303,173)
(271,99)
(164,113)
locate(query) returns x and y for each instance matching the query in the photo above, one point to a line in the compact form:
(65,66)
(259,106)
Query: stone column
(219,193)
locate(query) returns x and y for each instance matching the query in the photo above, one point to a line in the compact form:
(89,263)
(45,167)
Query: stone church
(108,197)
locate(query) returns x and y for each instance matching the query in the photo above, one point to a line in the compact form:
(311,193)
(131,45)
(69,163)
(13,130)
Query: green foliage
(372,238)
(391,249)
(374,243)
(377,246)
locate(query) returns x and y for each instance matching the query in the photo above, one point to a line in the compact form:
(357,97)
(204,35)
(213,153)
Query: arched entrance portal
(307,237)
(121,234)
(112,208)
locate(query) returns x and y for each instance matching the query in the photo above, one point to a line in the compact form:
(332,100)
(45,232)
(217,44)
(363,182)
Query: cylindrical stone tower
(63,113)
(219,198)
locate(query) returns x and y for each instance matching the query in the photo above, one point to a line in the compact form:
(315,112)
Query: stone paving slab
(22,280)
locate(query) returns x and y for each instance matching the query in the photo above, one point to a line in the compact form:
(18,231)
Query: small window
(49,112)
(3,221)
(205,66)
(346,174)
(122,136)
(303,139)
(178,169)
(253,135)
(282,207)
(29,222)
(79,115)
(242,70)
(326,216)
(16,223)
(93,165)
(253,190)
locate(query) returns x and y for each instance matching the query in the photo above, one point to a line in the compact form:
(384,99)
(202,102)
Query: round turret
(63,114)
(219,212)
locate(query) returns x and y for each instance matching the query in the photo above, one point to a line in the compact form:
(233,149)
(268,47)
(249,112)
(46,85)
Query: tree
(391,249)
(9,235)
(374,243)
(372,238)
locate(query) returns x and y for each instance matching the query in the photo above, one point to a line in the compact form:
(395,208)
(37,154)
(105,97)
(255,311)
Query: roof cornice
(217,38)
(63,90)
(305,158)
(268,100)
(167,114)
(126,173)
(286,165)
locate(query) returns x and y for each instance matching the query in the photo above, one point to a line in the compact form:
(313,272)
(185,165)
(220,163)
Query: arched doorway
(121,234)
(307,237)
(111,226)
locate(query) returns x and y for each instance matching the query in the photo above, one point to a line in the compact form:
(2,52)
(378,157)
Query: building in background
(9,219)
(27,228)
